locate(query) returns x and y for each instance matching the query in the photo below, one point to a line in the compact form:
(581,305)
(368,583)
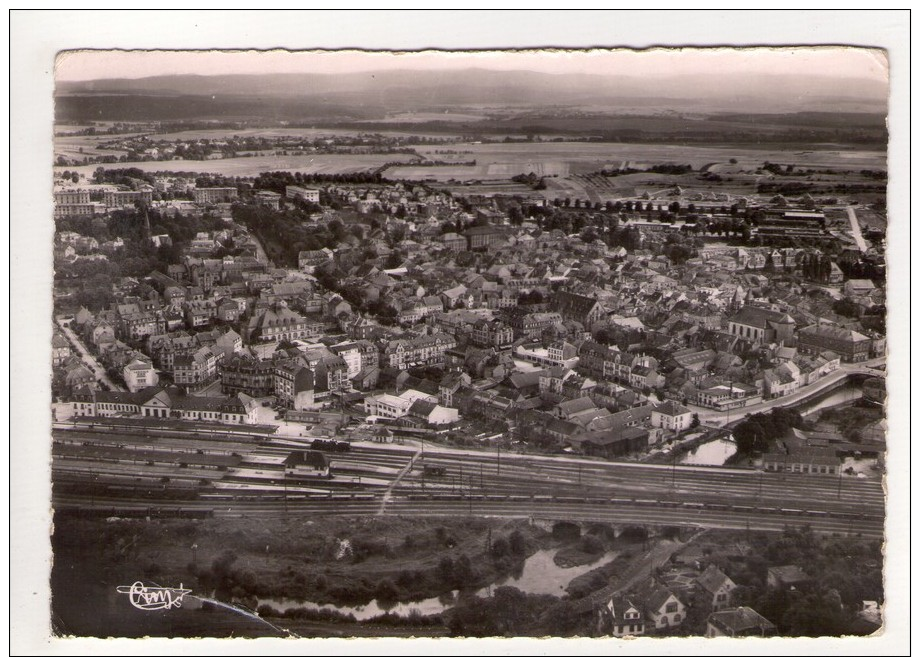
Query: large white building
(214,194)
(311,195)
(671,416)
(351,354)
(392,407)
(139,374)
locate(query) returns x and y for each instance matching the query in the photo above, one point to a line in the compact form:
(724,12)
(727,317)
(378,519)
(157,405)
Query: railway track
(620,511)
(466,482)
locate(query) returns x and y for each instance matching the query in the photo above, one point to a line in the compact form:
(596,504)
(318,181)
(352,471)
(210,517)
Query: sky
(834,61)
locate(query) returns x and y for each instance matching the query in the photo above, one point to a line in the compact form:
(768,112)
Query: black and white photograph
(587,343)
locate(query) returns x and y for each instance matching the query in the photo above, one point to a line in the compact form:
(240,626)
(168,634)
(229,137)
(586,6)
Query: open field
(269,133)
(83,145)
(637,155)
(496,161)
(421,117)
(485,188)
(253,166)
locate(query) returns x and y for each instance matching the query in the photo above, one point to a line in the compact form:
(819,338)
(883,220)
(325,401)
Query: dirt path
(855,230)
(641,568)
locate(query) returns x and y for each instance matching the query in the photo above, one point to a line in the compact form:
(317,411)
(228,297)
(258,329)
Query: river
(716,452)
(847,393)
(540,575)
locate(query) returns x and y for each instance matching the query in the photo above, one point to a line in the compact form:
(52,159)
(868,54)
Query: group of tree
(862,268)
(844,571)
(756,433)
(816,267)
(276,181)
(283,233)
(530,179)
(531,298)
(128,176)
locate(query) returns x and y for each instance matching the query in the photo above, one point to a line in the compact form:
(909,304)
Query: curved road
(719,418)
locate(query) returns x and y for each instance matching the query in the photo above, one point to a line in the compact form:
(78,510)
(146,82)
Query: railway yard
(106,470)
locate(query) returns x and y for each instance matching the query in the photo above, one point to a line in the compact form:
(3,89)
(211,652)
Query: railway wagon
(327,445)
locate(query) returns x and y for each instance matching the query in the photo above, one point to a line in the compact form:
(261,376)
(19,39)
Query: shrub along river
(540,575)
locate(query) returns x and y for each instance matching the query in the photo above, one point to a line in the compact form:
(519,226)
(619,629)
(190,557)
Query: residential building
(60,349)
(431,414)
(268,199)
(781,380)
(726,396)
(279,322)
(370,355)
(139,374)
(424,350)
(196,370)
(787,577)
(77,375)
(350,352)
(199,313)
(480,238)
(738,622)
(852,347)
(77,210)
(532,325)
(248,375)
(308,261)
(715,587)
(136,323)
(71,195)
(303,193)
(294,385)
(121,197)
(663,609)
(624,617)
(395,406)
(671,416)
(858,287)
(212,195)
(450,385)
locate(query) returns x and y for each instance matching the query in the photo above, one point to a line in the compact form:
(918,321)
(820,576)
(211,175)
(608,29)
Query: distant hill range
(373,95)
(488,87)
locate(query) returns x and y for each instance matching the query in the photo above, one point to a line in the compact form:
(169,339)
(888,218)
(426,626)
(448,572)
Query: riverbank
(329,576)
(339,561)
(673,452)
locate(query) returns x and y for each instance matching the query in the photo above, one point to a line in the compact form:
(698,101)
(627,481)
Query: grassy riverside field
(334,576)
